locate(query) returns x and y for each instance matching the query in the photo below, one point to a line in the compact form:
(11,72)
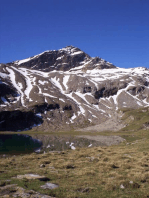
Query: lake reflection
(18,144)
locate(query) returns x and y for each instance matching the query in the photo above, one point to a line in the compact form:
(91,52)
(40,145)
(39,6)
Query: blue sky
(116,30)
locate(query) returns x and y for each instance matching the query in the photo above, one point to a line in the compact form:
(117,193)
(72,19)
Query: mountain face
(67,89)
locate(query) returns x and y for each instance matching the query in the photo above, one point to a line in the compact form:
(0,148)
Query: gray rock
(15,191)
(49,186)
(32,176)
(42,165)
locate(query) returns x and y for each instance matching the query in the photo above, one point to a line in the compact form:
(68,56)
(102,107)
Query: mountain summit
(65,89)
(63,60)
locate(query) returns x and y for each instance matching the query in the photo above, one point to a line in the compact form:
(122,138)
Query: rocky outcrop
(15,191)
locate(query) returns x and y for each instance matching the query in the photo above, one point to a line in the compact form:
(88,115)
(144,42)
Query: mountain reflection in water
(14,144)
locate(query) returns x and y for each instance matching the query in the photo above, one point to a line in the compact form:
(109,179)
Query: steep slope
(67,88)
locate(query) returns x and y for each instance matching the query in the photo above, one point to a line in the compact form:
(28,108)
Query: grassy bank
(116,171)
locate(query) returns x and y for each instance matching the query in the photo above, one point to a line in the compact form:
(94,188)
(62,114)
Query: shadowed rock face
(7,93)
(18,120)
(69,89)
(6,90)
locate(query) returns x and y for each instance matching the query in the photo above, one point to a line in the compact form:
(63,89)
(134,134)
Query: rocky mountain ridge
(67,89)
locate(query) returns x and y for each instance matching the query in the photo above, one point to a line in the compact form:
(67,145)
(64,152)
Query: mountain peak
(71,50)
(63,59)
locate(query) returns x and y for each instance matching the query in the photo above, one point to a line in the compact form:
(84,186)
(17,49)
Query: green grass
(91,172)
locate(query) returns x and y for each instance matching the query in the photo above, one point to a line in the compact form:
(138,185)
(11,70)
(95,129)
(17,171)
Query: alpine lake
(18,144)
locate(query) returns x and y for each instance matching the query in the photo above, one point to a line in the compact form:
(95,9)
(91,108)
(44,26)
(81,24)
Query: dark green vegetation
(115,171)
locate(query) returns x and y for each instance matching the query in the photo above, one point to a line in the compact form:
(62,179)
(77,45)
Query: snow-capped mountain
(67,89)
